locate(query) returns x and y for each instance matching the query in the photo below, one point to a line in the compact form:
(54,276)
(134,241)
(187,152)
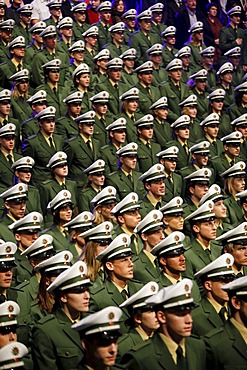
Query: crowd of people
(123,202)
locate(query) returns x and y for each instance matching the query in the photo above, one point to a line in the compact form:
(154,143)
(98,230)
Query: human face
(97,180)
(47,126)
(118,136)
(244,98)
(83,80)
(178,324)
(161,113)
(129,63)
(65,213)
(56,12)
(146,78)
(17,211)
(50,42)
(175,75)
(26,18)
(201,160)
(91,41)
(208,61)
(213,11)
(26,239)
(94,3)
(183,132)
(78,56)
(232,150)
(170,40)
(23,87)
(226,77)
(235,19)
(156,187)
(238,184)
(199,36)
(130,22)
(105,16)
(156,58)
(148,321)
(7,335)
(175,223)
(53,76)
(174,264)
(220,209)
(38,107)
(218,294)
(87,130)
(157,17)
(131,219)
(191,4)
(7,142)
(6,34)
(199,190)
(106,211)
(154,238)
(37,38)
(145,25)
(123,268)
(212,131)
(128,163)
(239,254)
(132,105)
(217,105)
(74,109)
(120,6)
(146,132)
(24,177)
(243,130)
(114,74)
(207,230)
(118,37)
(100,109)
(66,32)
(80,16)
(61,171)
(4,109)
(201,85)
(77,302)
(192,111)
(101,353)
(169,165)
(18,52)
(102,64)
(5,279)
(100,247)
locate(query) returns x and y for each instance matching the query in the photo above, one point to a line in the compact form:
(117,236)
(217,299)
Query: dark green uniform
(60,242)
(66,127)
(174,96)
(131,131)
(195,56)
(162,133)
(147,206)
(229,97)
(154,354)
(37,148)
(184,159)
(225,127)
(80,157)
(237,76)
(228,36)
(6,173)
(55,99)
(142,43)
(123,185)
(144,270)
(157,29)
(235,211)
(21,110)
(128,341)
(19,30)
(108,154)
(108,295)
(168,55)
(33,203)
(4,52)
(202,104)
(5,233)
(55,344)
(226,348)
(115,52)
(130,79)
(159,76)
(100,133)
(29,127)
(147,155)
(147,96)
(104,34)
(235,111)
(173,187)
(7,69)
(23,271)
(79,29)
(30,51)
(205,318)
(84,198)
(115,93)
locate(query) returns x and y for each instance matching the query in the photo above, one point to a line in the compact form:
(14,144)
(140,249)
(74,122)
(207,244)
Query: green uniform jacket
(131,131)
(130,79)
(173,189)
(147,206)
(221,164)
(202,104)
(123,185)
(229,97)
(134,238)
(234,111)
(108,295)
(56,99)
(80,157)
(205,318)
(225,127)
(197,257)
(4,52)
(21,110)
(104,35)
(128,341)
(228,38)
(78,30)
(159,76)
(30,288)
(147,156)
(19,30)
(37,148)
(157,29)
(155,355)
(216,148)
(146,99)
(66,127)
(168,55)
(144,270)
(23,271)
(195,57)
(88,58)
(7,69)
(100,133)
(115,52)
(226,348)
(30,51)
(174,97)
(84,198)
(55,345)
(184,159)
(196,131)
(60,242)
(108,154)
(115,93)
(235,211)
(33,203)
(43,57)
(50,188)
(237,76)
(140,42)
(6,173)
(29,127)
(5,233)
(162,133)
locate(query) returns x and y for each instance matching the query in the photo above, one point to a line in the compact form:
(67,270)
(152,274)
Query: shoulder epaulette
(46,319)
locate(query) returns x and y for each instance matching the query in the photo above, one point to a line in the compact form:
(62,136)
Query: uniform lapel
(44,144)
(165,359)
(238,342)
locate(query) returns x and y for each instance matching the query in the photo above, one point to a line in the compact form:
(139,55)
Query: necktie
(63,186)
(134,243)
(208,252)
(239,274)
(102,120)
(124,294)
(5,122)
(185,146)
(130,178)
(222,314)
(232,162)
(181,361)
(10,159)
(149,91)
(148,145)
(2,298)
(89,145)
(55,90)
(133,118)
(148,37)
(170,179)
(115,86)
(66,234)
(18,67)
(51,144)
(106,27)
(158,205)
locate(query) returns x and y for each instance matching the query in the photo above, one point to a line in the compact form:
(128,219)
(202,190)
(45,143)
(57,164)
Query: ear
(196,228)
(191,190)
(111,135)
(147,186)
(64,298)
(144,237)
(17,237)
(162,261)
(236,303)
(120,219)
(193,156)
(6,205)
(165,222)
(208,285)
(85,344)
(109,266)
(137,319)
(161,317)
(139,131)
(225,147)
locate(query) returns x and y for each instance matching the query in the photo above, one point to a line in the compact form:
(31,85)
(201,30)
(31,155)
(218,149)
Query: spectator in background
(118,9)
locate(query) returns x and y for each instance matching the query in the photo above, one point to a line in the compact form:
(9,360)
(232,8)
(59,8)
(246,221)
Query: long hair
(93,265)
(16,93)
(45,298)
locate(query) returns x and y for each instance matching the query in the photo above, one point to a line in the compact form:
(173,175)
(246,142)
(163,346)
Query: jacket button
(66,353)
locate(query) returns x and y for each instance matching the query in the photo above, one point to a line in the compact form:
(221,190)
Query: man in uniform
(155,55)
(210,127)
(153,181)
(91,45)
(173,306)
(129,18)
(37,41)
(233,56)
(225,73)
(116,47)
(126,178)
(151,231)
(23,28)
(118,286)
(213,310)
(82,150)
(6,29)
(200,90)
(104,10)
(169,50)
(227,345)
(66,38)
(43,145)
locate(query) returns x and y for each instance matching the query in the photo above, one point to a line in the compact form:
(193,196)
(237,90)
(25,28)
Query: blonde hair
(93,266)
(16,93)
(99,218)
(229,186)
